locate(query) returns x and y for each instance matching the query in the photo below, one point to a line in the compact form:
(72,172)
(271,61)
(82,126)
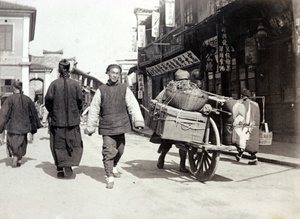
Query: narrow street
(143,191)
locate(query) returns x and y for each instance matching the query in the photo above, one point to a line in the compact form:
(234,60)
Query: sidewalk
(281,153)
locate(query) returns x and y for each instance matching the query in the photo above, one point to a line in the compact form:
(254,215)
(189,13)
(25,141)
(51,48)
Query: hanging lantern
(261,37)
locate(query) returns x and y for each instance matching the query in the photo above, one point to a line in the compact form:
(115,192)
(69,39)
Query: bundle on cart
(185,95)
(176,124)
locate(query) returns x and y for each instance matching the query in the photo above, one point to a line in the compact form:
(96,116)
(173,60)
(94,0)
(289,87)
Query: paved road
(237,190)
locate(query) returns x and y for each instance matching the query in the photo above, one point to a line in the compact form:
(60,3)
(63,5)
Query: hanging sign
(170,13)
(184,60)
(224,51)
(140,82)
(141,35)
(155,24)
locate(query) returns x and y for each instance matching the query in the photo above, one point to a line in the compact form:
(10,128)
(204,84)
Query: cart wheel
(203,164)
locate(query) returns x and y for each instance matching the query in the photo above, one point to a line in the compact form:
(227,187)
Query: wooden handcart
(204,141)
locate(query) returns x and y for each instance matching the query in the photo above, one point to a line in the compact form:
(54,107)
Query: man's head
(181,75)
(246,93)
(63,66)
(17,86)
(114,72)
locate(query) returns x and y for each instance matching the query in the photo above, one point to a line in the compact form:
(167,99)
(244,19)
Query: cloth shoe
(68,171)
(19,163)
(110,182)
(238,157)
(14,161)
(253,162)
(116,173)
(60,174)
(184,170)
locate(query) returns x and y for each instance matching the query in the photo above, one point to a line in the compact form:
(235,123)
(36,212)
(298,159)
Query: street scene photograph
(142,109)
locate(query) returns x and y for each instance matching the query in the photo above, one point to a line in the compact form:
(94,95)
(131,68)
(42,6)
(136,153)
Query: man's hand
(87,132)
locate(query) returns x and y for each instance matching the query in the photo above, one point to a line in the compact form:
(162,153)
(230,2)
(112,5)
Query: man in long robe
(19,117)
(63,100)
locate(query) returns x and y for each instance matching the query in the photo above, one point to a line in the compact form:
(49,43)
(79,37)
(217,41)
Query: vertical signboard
(155,24)
(223,50)
(141,35)
(140,86)
(170,13)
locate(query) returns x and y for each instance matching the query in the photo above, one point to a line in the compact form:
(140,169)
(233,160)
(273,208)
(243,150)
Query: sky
(96,32)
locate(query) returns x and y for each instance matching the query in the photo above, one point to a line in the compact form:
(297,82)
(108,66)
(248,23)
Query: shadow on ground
(8,160)
(95,173)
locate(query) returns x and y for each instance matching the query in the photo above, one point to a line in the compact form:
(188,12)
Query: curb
(268,160)
(260,158)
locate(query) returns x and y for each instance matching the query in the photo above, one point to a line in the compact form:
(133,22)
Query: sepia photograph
(142,109)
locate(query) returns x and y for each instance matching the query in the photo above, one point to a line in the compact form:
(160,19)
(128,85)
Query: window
(6,34)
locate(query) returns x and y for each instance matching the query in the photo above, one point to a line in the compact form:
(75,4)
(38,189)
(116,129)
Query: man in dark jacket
(113,105)
(64,103)
(19,117)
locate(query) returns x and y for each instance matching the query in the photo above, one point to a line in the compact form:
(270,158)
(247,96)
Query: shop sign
(170,13)
(141,82)
(224,51)
(155,24)
(141,35)
(184,60)
(140,94)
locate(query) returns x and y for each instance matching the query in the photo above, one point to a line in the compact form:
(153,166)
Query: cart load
(176,124)
(241,128)
(185,95)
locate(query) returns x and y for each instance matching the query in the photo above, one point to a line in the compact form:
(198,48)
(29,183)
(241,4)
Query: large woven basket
(186,100)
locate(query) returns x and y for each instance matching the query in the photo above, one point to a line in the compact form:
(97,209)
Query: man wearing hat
(63,101)
(165,145)
(19,117)
(114,105)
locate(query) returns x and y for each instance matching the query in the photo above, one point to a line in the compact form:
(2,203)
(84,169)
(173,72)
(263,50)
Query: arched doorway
(36,89)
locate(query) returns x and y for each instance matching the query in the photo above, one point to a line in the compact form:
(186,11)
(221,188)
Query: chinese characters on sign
(170,13)
(183,60)
(224,52)
(140,86)
(155,24)
(141,36)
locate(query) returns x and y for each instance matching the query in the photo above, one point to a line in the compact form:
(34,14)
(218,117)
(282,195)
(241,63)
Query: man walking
(19,117)
(114,104)
(63,101)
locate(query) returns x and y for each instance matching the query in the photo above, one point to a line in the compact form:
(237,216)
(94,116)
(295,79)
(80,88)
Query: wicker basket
(190,100)
(265,136)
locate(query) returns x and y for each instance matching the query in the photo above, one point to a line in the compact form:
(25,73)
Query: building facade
(17,27)
(235,44)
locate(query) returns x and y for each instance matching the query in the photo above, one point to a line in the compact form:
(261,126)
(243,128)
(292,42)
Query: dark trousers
(16,145)
(165,147)
(112,151)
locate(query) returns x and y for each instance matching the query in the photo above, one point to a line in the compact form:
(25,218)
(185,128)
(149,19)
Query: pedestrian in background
(251,124)
(19,117)
(115,104)
(63,101)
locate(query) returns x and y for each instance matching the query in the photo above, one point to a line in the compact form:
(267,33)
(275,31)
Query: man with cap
(19,117)
(113,105)
(63,101)
(165,145)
